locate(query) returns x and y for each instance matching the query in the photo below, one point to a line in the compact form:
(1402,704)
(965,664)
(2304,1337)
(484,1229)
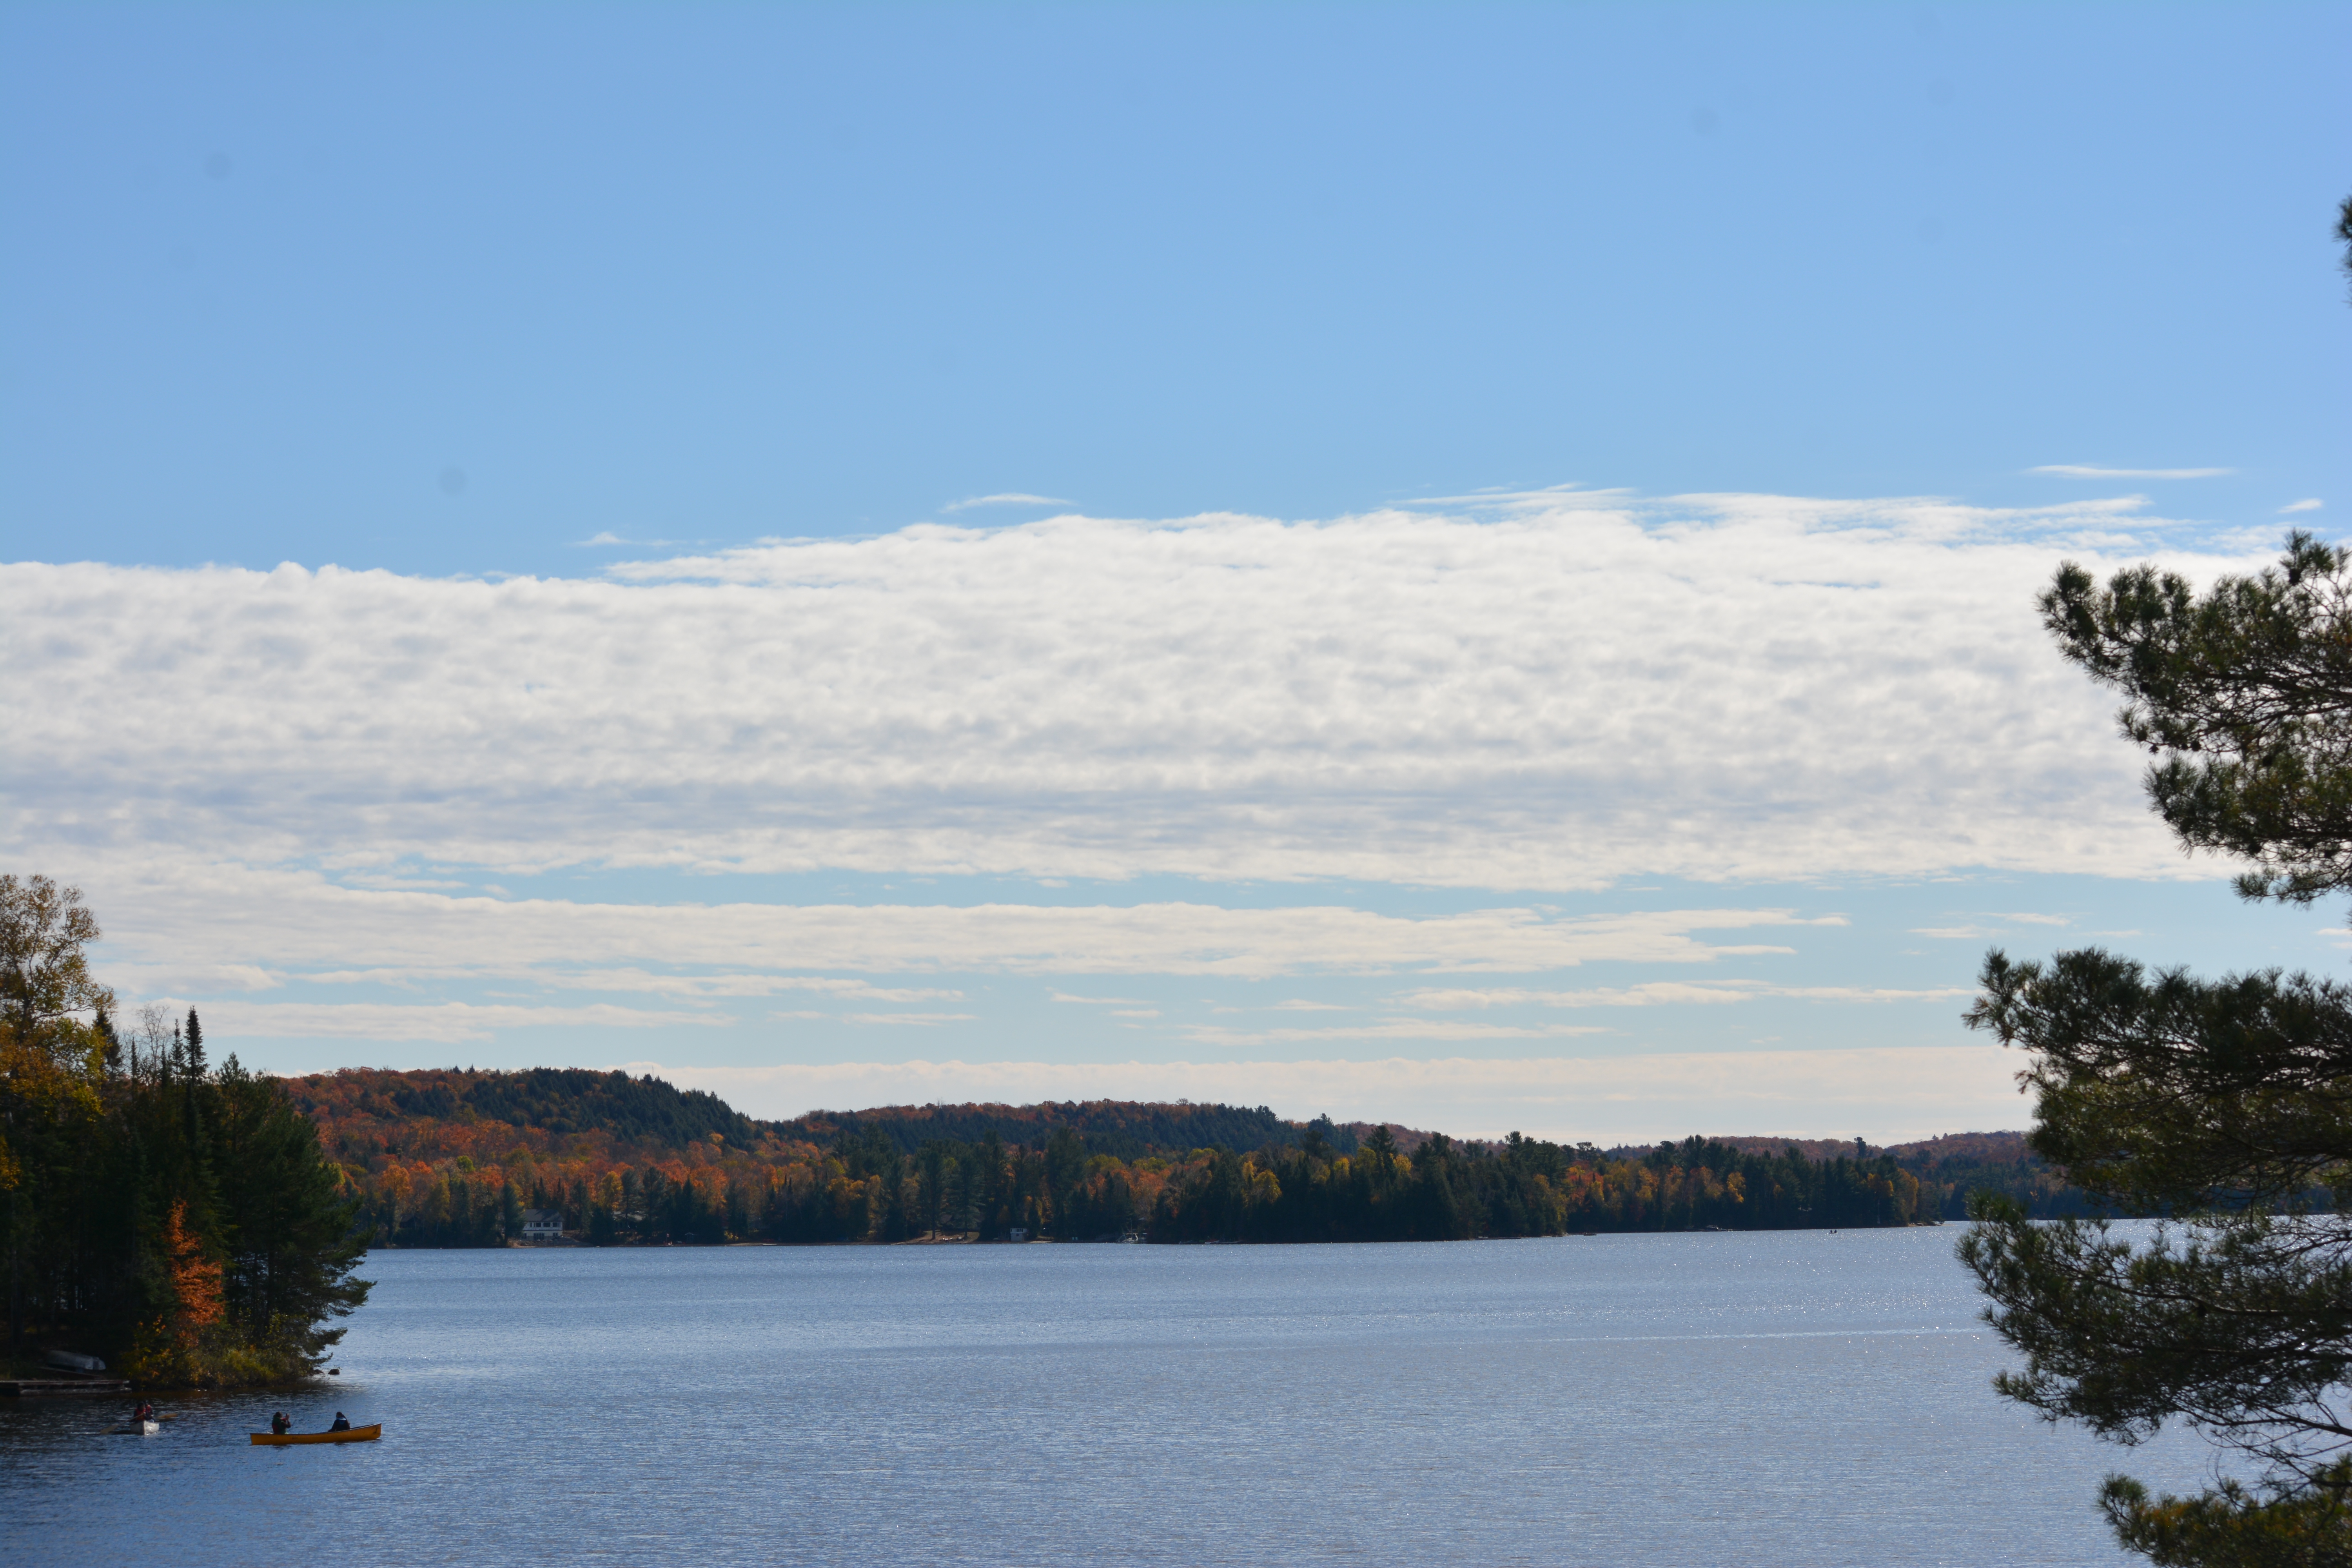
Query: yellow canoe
(349,1434)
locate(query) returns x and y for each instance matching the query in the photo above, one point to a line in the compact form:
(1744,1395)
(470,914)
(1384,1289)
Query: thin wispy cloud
(706,987)
(1390,1029)
(1010,497)
(171,979)
(2309,503)
(449,1022)
(608,538)
(1455,999)
(1665,993)
(2087,471)
(1978,932)
(724,986)
(316,929)
(1544,498)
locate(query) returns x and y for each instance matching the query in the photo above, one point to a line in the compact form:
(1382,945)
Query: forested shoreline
(176,1219)
(622,1161)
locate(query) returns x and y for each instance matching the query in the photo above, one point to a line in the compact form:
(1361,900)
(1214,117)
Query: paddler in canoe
(343,1431)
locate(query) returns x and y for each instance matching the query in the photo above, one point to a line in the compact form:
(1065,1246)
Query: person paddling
(281,1423)
(144,1411)
(341,1425)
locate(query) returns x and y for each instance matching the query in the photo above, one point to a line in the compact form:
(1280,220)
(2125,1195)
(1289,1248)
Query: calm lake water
(1805,1397)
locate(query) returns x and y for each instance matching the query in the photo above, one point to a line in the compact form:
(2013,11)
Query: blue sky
(1398,483)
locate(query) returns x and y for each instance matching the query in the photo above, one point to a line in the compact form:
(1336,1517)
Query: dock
(29,1387)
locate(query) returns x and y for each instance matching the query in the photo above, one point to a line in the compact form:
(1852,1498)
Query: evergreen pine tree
(2227,1103)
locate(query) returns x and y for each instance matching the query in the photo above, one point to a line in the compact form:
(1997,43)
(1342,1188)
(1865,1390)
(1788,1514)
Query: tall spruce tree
(288,1228)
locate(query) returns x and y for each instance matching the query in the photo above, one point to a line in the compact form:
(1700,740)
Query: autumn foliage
(635,1159)
(170,1344)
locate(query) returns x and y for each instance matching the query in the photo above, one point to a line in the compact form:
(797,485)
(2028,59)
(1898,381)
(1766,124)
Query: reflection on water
(1607,1400)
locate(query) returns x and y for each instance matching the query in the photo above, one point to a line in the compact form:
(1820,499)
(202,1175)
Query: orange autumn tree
(167,1347)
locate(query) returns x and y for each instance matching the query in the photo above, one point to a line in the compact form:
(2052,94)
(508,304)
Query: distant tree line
(1130,1129)
(1313,1191)
(635,1161)
(639,1162)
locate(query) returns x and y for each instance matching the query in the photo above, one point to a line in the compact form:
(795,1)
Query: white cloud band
(1582,689)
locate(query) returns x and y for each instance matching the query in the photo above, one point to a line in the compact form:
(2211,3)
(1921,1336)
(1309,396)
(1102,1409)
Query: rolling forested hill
(424,1111)
(450,1157)
(452,1112)
(1130,1130)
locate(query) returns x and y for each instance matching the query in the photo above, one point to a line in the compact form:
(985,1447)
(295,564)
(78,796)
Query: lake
(1810,1397)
